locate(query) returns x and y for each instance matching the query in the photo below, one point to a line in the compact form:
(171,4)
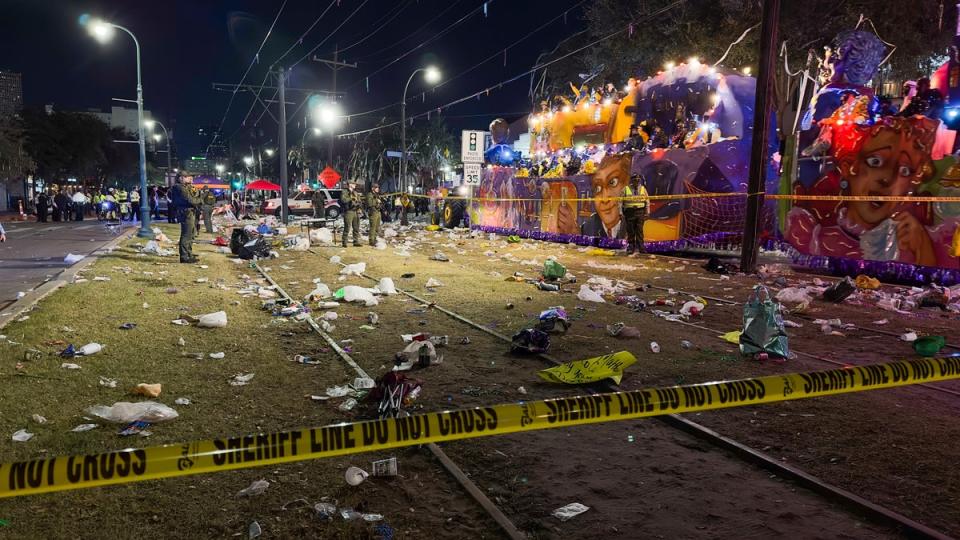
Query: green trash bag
(553,270)
(928,346)
(513,239)
(763,330)
(339,294)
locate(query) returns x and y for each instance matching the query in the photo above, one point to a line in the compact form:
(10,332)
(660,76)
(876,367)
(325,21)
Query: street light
(432,75)
(150,124)
(303,149)
(248,161)
(220,167)
(103,32)
(269,152)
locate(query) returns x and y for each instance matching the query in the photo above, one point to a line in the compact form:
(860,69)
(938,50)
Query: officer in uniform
(635,213)
(186,201)
(318,199)
(351,202)
(374,207)
(209,200)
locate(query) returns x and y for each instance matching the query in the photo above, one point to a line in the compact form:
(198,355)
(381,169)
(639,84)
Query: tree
(15,162)
(707,29)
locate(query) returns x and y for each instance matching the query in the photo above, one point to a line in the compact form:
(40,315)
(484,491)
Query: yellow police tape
(683,196)
(134,465)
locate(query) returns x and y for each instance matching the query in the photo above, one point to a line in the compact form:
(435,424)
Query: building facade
(11,94)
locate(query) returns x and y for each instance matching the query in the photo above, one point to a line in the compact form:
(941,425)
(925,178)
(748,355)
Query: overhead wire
(478,64)
(525,73)
(400,7)
(255,59)
(445,31)
(411,34)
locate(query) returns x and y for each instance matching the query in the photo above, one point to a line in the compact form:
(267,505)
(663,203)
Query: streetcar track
(827,491)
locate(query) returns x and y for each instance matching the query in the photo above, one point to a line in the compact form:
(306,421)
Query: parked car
(301,204)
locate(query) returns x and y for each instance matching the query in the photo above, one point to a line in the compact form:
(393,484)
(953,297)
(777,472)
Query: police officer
(635,213)
(135,204)
(351,202)
(186,201)
(375,205)
(209,200)
(317,200)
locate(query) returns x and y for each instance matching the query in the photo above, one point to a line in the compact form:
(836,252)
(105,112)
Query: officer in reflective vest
(635,205)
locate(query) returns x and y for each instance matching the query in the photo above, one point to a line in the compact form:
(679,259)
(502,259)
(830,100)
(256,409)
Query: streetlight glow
(329,114)
(432,75)
(316,131)
(157,137)
(149,124)
(101,30)
(269,152)
(220,167)
(248,161)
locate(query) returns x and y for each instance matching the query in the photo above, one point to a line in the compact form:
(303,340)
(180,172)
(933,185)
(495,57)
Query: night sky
(187,45)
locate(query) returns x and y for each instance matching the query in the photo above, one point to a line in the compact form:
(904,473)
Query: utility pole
(335,65)
(763,112)
(284,185)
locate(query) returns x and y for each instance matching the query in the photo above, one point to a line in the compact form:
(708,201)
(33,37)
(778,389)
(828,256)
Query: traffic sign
(471,150)
(472,173)
(329,177)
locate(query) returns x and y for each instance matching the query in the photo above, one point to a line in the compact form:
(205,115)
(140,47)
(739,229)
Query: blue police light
(952,113)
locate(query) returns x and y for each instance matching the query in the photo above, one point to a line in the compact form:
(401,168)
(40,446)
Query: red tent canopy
(262,184)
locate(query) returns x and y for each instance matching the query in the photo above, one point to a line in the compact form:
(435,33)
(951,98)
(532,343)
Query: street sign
(471,174)
(471,150)
(329,177)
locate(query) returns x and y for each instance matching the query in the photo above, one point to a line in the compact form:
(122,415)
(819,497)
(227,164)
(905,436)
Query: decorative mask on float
(856,57)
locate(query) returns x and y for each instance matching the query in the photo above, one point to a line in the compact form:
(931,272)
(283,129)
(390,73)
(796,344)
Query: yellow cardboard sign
(610,366)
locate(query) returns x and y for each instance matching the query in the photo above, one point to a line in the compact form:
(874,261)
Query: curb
(65,276)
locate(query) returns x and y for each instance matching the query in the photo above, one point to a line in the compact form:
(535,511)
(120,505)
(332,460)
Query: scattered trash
(325,511)
(257,487)
(763,325)
(385,467)
(125,412)
(621,330)
(909,337)
(386,286)
(128,326)
(108,383)
(881,322)
(181,322)
(182,401)
(137,427)
(530,340)
(543,286)
(553,270)
(149,390)
(217,319)
(609,366)
(322,235)
(420,353)
(71,258)
(692,308)
(839,291)
(373,318)
(320,291)
(254,530)
(353,293)
(928,346)
(68,365)
(438,256)
(39,419)
(684,344)
(217,355)
(795,295)
(241,379)
(355,269)
(587,294)
(714,266)
(355,476)
(363,383)
(431,283)
(407,276)
(522,390)
(553,319)
(89,349)
(565,513)
(866,282)
(22,435)
(654,347)
(84,427)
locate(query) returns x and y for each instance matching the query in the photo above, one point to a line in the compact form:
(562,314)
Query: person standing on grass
(374,207)
(209,201)
(135,204)
(186,201)
(351,202)
(635,204)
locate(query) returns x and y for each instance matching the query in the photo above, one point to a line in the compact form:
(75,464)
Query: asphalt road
(34,252)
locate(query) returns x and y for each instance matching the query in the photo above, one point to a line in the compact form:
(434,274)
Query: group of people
(74,204)
(353,202)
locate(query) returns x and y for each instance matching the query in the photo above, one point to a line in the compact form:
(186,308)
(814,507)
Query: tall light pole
(303,150)
(431,75)
(149,125)
(103,31)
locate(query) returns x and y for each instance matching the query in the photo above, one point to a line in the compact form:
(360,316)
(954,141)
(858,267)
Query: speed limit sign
(471,174)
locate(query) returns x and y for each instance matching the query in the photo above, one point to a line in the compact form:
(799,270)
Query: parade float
(690,144)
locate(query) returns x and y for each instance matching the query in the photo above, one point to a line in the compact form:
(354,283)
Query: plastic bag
(386,286)
(355,269)
(322,235)
(589,295)
(553,270)
(530,340)
(217,319)
(864,281)
(794,295)
(763,330)
(838,292)
(124,412)
(300,244)
(353,293)
(320,291)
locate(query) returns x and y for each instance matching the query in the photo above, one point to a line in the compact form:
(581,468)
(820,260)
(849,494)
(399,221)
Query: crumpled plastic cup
(929,345)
